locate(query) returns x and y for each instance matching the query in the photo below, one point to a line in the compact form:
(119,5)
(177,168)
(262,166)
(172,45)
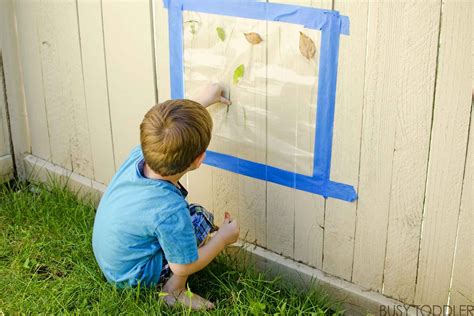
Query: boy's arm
(211,94)
(227,234)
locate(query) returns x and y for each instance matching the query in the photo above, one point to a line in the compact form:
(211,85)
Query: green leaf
(220,33)
(188,292)
(238,73)
(162,294)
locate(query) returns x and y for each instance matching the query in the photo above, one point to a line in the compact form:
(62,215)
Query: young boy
(144,227)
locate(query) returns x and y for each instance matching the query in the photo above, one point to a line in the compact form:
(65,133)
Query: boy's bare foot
(181,296)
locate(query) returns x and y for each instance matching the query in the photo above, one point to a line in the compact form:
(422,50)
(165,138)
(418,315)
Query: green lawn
(47,266)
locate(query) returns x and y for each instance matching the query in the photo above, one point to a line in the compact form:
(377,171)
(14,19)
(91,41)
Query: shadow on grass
(47,266)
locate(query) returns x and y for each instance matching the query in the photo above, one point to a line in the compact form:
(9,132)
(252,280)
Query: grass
(47,266)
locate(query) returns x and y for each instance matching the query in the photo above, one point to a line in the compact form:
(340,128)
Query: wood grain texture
(416,82)
(14,84)
(6,168)
(452,107)
(340,216)
(462,288)
(293,217)
(162,55)
(64,87)
(248,113)
(388,85)
(200,182)
(4,133)
(32,73)
(281,131)
(129,62)
(96,90)
(309,208)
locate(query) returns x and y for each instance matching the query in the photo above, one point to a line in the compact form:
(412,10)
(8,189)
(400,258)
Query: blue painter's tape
(326,100)
(279,176)
(311,18)
(332,25)
(175,25)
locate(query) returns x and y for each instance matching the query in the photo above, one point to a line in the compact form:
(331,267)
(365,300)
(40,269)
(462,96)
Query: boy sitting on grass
(144,229)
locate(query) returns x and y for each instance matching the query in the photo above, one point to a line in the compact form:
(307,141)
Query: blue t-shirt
(138,221)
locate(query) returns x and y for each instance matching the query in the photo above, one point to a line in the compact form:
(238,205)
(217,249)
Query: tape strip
(175,25)
(279,176)
(311,18)
(332,25)
(326,100)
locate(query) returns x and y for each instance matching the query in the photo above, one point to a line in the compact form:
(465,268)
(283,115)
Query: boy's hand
(211,94)
(229,230)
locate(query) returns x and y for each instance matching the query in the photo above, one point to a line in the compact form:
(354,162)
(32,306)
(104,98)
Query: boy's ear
(199,159)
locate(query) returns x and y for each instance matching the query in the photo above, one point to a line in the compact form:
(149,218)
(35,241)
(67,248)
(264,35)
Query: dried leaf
(220,33)
(238,73)
(193,26)
(253,38)
(307,47)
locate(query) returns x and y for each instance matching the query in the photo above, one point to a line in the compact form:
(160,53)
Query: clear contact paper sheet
(278,65)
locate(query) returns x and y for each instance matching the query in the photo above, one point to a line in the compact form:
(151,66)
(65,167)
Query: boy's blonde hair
(173,134)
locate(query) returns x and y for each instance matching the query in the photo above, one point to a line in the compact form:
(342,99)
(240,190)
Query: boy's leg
(177,293)
(203,222)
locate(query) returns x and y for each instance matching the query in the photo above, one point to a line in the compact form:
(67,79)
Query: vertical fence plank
(4,133)
(280,200)
(95,85)
(378,133)
(309,208)
(129,62)
(397,67)
(63,86)
(162,56)
(462,288)
(32,73)
(416,80)
(250,110)
(340,216)
(200,182)
(447,154)
(14,84)
(294,218)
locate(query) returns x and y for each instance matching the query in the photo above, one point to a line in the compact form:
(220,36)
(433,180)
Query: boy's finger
(225,101)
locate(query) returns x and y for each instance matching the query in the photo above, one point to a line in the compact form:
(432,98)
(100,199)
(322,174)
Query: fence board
(96,90)
(162,55)
(447,154)
(389,82)
(129,62)
(4,133)
(415,83)
(14,85)
(309,208)
(200,185)
(280,200)
(32,73)
(340,216)
(63,86)
(294,218)
(462,288)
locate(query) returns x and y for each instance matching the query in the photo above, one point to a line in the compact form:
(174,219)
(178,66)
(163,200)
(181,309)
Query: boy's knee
(203,222)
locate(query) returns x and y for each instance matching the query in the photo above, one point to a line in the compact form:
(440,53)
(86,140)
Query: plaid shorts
(203,223)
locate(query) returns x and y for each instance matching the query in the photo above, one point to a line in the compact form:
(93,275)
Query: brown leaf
(253,38)
(307,47)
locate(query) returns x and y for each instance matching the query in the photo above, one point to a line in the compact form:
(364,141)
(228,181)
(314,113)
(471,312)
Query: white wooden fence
(80,75)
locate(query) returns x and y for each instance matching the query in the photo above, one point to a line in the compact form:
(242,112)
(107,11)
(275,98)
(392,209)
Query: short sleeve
(177,238)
